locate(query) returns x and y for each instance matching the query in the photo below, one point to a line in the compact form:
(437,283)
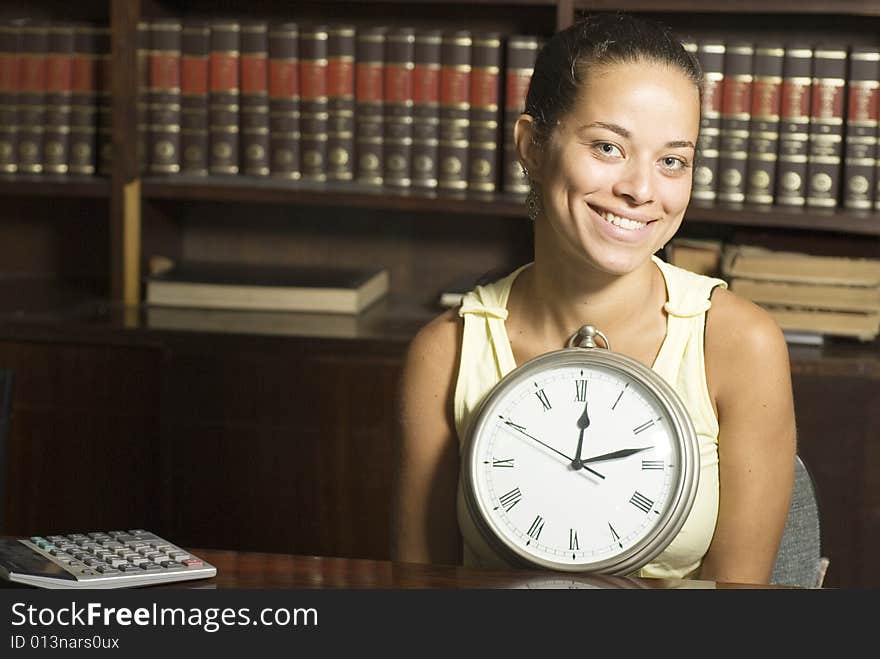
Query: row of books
(788,124)
(381,106)
(54,98)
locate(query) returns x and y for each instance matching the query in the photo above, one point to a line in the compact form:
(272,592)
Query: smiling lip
(627,216)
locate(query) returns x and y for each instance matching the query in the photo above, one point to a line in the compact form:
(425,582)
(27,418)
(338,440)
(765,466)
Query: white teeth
(622,222)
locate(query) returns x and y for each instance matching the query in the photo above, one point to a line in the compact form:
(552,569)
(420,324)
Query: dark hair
(604,39)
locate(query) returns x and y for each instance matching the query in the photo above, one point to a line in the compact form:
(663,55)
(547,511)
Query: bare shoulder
(432,357)
(742,340)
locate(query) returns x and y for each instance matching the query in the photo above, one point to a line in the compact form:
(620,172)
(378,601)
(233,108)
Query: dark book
(104,102)
(794,126)
(254,108)
(268,288)
(194,50)
(520,63)
(398,107)
(224,98)
(710,54)
(825,154)
(763,144)
(313,67)
(83,146)
(484,136)
(455,106)
(736,109)
(163,113)
(340,102)
(32,97)
(284,101)
(426,108)
(860,148)
(59,83)
(10,37)
(369,103)
(142,112)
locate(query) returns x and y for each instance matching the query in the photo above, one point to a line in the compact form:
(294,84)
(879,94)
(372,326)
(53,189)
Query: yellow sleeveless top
(486,357)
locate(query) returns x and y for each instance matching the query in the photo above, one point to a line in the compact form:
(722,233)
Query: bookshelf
(83,243)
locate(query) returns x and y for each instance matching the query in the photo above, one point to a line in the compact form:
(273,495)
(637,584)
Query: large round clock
(580,460)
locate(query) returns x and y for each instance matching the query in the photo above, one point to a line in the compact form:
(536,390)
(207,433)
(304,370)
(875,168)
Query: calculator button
(106,569)
(151,566)
(192,562)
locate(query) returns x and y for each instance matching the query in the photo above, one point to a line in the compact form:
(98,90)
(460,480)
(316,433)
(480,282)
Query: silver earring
(533,203)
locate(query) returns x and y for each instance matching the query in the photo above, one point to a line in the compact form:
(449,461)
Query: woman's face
(616,175)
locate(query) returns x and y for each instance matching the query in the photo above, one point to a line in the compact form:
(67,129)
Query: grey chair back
(799,561)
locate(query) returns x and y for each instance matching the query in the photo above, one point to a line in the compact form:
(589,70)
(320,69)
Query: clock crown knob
(585,337)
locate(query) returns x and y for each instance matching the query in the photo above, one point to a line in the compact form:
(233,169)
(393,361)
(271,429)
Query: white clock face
(579,467)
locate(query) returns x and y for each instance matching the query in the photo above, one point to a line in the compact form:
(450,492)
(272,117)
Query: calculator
(99,559)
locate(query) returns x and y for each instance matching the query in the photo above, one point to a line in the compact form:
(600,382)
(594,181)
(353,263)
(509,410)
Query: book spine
(59,83)
(104,102)
(485,96)
(142,55)
(340,102)
(224,97)
(284,101)
(83,102)
(736,110)
(426,108)
(794,126)
(398,109)
(521,53)
(825,155)
(9,71)
(32,98)
(369,103)
(764,128)
(455,106)
(255,99)
(165,97)
(313,65)
(710,54)
(860,151)
(194,68)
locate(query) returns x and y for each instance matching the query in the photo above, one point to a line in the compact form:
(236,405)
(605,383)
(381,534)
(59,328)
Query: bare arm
(750,377)
(424,524)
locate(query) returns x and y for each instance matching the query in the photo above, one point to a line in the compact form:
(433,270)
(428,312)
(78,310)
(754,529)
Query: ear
(526,146)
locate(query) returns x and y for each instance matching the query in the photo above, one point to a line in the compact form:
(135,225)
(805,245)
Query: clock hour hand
(522,431)
(583,423)
(622,453)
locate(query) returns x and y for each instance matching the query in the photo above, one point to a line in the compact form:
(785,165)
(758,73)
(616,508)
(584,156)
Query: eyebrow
(624,133)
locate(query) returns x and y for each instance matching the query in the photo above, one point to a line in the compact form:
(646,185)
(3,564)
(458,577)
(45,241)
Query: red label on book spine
(426,84)
(711,97)
(765,99)
(32,74)
(862,102)
(795,99)
(224,72)
(454,86)
(484,88)
(398,83)
(8,73)
(827,101)
(82,74)
(314,80)
(194,75)
(58,72)
(517,86)
(340,78)
(164,71)
(736,97)
(283,78)
(253,74)
(369,82)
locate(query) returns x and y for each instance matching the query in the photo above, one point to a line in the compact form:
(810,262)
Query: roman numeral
(580,390)
(508,462)
(641,502)
(573,540)
(509,500)
(648,465)
(647,424)
(620,395)
(615,535)
(536,528)
(542,396)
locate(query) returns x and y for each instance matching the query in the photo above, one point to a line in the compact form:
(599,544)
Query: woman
(607,141)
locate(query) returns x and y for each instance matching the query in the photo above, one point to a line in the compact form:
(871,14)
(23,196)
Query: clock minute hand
(616,454)
(520,430)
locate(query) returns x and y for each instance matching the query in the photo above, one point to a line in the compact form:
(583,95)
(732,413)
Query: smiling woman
(607,142)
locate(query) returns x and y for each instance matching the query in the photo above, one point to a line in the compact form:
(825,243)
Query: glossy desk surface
(252,570)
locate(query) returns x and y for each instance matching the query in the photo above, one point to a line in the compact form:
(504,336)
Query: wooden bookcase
(86,244)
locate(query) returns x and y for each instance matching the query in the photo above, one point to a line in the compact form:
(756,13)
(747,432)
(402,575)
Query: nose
(635,183)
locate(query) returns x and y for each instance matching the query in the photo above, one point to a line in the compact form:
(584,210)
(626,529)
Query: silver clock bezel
(681,498)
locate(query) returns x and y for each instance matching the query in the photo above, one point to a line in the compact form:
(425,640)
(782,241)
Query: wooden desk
(253,570)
